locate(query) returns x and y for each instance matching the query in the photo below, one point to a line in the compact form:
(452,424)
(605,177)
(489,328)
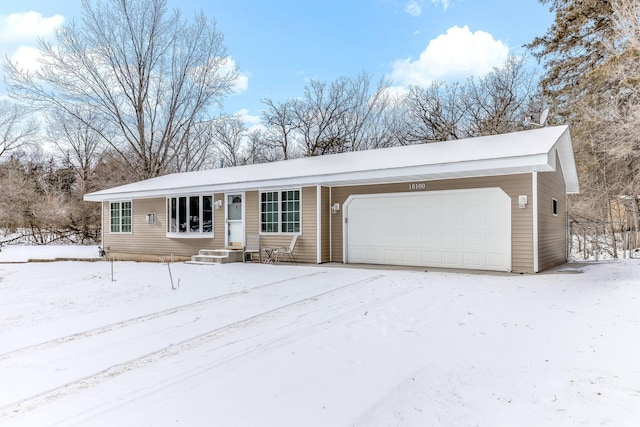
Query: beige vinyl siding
(513,185)
(305,250)
(151,239)
(252,213)
(552,233)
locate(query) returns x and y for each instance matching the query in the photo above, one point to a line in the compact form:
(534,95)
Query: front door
(235,223)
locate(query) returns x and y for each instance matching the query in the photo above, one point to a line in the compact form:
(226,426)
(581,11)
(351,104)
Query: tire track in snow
(243,346)
(33,402)
(141,319)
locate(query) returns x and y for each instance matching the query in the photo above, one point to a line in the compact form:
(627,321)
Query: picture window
(191,215)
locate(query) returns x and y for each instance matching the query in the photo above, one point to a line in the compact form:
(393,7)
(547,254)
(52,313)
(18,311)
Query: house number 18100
(417,186)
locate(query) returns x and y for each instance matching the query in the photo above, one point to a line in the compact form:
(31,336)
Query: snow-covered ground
(264,345)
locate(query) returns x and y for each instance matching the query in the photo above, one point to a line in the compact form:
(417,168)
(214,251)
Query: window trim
(279,212)
(554,206)
(188,234)
(121,216)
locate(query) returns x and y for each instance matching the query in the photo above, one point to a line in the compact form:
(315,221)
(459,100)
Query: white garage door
(457,229)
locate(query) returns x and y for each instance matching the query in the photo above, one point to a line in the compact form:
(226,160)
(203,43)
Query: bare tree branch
(148,73)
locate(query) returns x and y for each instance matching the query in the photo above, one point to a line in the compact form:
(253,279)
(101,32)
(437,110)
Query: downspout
(330,226)
(567,227)
(318,224)
(102,223)
(534,196)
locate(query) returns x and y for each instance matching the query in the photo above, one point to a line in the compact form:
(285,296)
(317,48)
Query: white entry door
(235,220)
(454,228)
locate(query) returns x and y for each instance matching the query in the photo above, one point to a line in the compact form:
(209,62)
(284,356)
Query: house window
(190,215)
(280,211)
(554,207)
(120,217)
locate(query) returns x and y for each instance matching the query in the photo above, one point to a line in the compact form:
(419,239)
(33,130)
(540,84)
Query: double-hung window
(280,211)
(190,215)
(120,217)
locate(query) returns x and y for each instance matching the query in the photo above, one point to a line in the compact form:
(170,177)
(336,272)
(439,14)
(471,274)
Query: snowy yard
(264,345)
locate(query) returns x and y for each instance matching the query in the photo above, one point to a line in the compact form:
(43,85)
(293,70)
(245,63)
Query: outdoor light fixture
(217,204)
(335,208)
(522,201)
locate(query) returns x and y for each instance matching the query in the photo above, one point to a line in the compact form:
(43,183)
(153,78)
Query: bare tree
(500,101)
(607,119)
(495,103)
(80,145)
(344,115)
(16,128)
(318,117)
(369,122)
(281,125)
(256,150)
(626,21)
(227,134)
(436,113)
(195,152)
(149,73)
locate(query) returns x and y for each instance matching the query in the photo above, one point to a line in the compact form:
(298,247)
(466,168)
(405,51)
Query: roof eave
(471,169)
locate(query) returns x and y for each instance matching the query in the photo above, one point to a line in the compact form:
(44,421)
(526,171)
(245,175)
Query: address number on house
(417,186)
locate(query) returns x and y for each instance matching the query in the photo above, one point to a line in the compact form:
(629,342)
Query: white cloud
(26,57)
(19,33)
(252,122)
(413,8)
(26,27)
(242,82)
(445,3)
(458,53)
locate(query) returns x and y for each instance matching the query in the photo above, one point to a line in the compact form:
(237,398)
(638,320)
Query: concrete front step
(217,256)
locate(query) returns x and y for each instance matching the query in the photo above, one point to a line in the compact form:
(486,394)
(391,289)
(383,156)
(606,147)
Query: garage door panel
(373,254)
(430,258)
(473,259)
(473,221)
(431,240)
(411,216)
(409,257)
(493,241)
(450,258)
(475,240)
(392,238)
(456,228)
(410,239)
(494,259)
(393,256)
(451,239)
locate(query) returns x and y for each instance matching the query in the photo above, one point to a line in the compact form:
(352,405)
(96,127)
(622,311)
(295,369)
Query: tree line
(591,61)
(133,91)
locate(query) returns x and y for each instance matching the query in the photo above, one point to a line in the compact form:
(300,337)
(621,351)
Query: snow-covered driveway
(248,344)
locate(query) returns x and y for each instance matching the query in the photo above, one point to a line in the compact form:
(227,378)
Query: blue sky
(279,45)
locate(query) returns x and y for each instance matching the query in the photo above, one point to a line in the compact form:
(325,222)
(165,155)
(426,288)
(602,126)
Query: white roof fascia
(564,149)
(520,152)
(470,169)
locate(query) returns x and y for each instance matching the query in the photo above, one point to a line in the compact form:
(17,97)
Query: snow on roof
(517,152)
